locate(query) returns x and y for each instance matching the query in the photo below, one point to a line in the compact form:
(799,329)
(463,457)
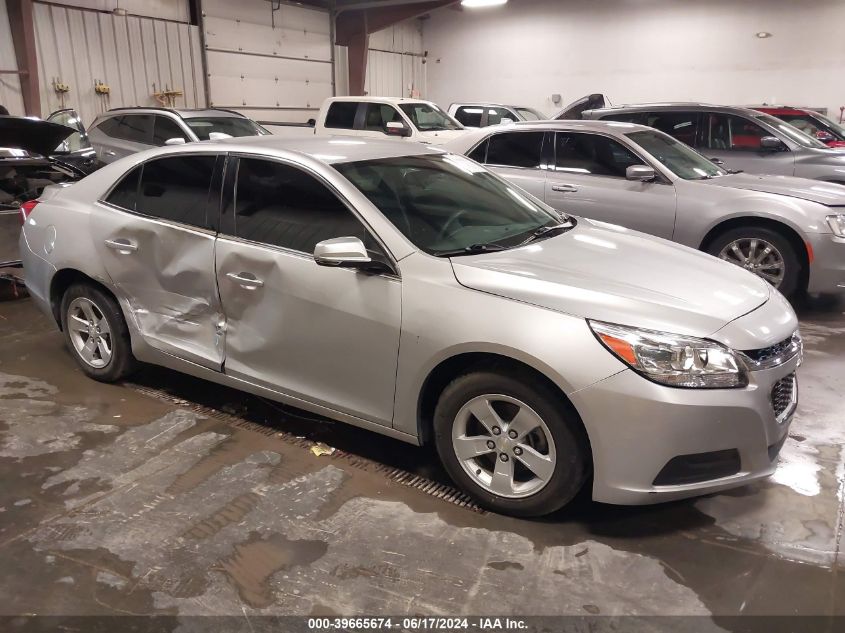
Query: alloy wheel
(757,256)
(89,332)
(504,446)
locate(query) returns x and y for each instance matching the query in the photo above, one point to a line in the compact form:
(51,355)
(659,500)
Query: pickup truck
(380,117)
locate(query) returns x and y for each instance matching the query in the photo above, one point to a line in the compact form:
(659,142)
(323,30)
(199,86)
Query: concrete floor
(116,502)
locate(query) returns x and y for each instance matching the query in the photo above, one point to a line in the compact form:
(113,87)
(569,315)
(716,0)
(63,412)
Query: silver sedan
(414,293)
(789,231)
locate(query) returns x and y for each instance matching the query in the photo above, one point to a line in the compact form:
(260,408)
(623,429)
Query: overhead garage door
(269,64)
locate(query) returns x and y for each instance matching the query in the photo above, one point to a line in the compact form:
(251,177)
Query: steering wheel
(445,233)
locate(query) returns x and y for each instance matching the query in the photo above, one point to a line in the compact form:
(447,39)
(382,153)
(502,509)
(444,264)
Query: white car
(380,117)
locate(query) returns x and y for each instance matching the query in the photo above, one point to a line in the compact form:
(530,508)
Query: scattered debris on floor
(320,449)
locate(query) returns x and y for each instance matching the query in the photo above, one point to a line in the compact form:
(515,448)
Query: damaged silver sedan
(412,292)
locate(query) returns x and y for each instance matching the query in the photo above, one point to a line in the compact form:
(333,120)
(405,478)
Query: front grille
(776,355)
(783,394)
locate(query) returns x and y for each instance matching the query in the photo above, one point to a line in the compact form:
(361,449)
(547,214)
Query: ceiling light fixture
(763,34)
(476,4)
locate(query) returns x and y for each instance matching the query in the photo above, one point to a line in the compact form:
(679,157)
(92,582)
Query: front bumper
(827,272)
(637,427)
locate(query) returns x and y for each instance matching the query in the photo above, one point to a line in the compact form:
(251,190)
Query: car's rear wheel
(764,252)
(508,441)
(96,333)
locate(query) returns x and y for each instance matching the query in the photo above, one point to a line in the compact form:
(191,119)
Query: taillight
(26,209)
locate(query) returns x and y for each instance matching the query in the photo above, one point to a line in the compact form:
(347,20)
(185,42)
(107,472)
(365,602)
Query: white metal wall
(395,65)
(134,56)
(280,73)
(10,85)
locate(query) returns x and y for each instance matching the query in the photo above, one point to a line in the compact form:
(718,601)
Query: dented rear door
(155,232)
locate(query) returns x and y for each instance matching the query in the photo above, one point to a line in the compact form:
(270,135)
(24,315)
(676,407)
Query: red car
(810,122)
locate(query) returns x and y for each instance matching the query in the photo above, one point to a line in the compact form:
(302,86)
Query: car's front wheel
(510,443)
(96,333)
(764,252)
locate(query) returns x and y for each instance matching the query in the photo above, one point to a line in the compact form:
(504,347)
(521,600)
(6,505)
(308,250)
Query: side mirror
(772,143)
(396,128)
(824,137)
(505,121)
(178,140)
(218,136)
(346,252)
(640,172)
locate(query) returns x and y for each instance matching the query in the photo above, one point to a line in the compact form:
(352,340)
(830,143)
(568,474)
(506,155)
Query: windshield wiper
(548,231)
(472,249)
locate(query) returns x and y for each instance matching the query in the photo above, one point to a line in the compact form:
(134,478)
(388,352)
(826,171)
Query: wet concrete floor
(116,502)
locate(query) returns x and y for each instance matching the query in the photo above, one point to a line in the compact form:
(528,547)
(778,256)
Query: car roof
(185,113)
(328,149)
(577,125)
(371,99)
(782,109)
(489,103)
(675,105)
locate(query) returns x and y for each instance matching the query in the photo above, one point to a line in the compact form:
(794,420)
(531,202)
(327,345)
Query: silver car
(412,292)
(789,231)
(735,138)
(484,114)
(124,131)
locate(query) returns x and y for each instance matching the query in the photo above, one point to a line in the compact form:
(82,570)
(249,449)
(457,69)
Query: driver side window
(378,115)
(592,154)
(284,206)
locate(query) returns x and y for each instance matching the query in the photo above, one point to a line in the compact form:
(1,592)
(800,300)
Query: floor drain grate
(445,492)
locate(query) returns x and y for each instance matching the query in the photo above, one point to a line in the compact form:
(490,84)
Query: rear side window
(177,188)
(137,128)
(166,129)
(515,149)
(283,206)
(109,126)
(682,125)
(479,154)
(341,115)
(640,118)
(469,115)
(125,192)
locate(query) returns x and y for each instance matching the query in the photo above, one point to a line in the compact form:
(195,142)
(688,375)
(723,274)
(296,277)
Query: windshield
(530,115)
(792,133)
(427,117)
(446,202)
(680,159)
(813,124)
(230,125)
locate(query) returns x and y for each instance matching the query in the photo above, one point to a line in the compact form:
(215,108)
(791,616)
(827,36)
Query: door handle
(247,280)
(564,188)
(122,246)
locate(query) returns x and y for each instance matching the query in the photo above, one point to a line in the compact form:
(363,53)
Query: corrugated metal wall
(279,73)
(134,56)
(395,65)
(10,84)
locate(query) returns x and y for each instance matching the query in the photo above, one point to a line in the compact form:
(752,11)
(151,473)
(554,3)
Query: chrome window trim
(163,221)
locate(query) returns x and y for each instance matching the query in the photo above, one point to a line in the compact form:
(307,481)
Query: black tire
(572,464)
(794,280)
(122,362)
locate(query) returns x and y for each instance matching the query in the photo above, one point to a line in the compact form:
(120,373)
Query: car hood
(33,135)
(440,137)
(609,273)
(813,190)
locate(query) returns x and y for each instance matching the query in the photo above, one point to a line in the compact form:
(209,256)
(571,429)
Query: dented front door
(155,233)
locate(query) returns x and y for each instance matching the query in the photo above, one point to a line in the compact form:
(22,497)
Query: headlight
(837,224)
(673,359)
